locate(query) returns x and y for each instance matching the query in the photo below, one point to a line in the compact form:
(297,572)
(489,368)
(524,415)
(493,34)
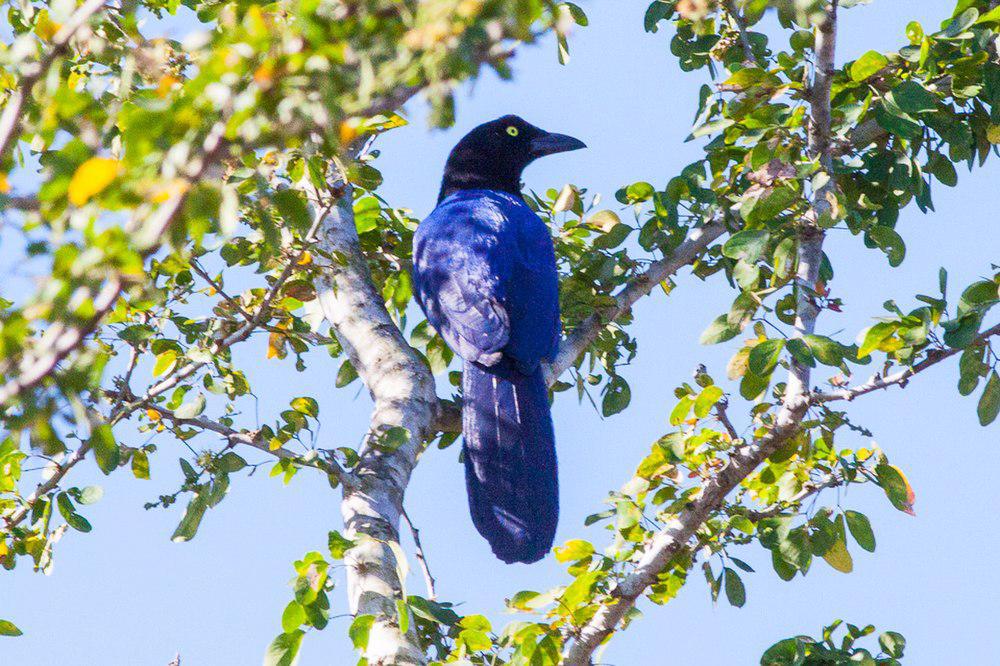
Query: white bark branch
(404,394)
(584,335)
(666,543)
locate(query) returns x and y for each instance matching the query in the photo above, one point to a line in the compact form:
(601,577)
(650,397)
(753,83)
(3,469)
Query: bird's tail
(510,460)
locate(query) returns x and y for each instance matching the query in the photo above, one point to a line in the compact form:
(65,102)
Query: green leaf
(188,526)
(867,65)
(989,402)
(293,617)
(748,245)
(293,209)
(764,356)
(8,628)
(475,640)
(140,464)
(890,242)
(617,396)
(720,330)
(68,512)
(359,631)
(657,11)
(896,487)
(284,650)
(680,411)
(164,362)
(838,557)
(338,545)
(961,332)
(861,529)
(106,451)
(231,462)
(191,408)
(825,350)
(393,438)
(735,591)
(306,405)
(706,400)
(345,375)
(872,337)
(912,97)
(893,643)
(573,550)
(782,653)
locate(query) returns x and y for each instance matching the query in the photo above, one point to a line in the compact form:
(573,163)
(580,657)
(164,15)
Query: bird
(485,276)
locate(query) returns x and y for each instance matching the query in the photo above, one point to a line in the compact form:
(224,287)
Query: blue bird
(485,276)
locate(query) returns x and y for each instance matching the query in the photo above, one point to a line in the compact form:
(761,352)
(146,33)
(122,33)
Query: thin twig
(900,378)
(421,558)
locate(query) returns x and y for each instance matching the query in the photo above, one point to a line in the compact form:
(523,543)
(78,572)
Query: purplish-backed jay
(485,276)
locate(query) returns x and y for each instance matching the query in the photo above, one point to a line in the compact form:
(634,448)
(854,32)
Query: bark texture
(402,388)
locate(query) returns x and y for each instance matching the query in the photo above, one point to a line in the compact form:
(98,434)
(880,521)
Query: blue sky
(125,594)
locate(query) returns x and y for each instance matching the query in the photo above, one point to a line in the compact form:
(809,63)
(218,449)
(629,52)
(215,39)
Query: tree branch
(668,542)
(900,378)
(421,558)
(403,390)
(10,119)
(60,340)
(584,335)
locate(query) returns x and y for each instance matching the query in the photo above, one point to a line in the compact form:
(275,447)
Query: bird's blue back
(485,274)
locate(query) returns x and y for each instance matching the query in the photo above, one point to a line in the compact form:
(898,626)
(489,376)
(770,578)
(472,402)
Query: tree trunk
(403,390)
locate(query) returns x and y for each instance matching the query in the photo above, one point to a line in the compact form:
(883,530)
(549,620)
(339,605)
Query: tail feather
(510,460)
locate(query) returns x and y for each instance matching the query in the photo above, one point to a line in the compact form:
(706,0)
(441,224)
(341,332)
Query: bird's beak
(549,143)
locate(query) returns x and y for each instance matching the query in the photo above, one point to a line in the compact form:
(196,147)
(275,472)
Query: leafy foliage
(177,220)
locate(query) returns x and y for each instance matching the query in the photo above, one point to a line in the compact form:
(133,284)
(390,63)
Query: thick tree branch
(900,378)
(668,542)
(403,390)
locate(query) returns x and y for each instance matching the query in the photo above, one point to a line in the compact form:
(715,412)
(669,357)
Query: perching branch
(403,390)
(584,335)
(668,542)
(900,378)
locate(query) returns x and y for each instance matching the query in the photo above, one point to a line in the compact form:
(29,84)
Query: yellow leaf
(276,346)
(165,85)
(348,131)
(993,133)
(305,259)
(45,27)
(4,184)
(91,178)
(153,414)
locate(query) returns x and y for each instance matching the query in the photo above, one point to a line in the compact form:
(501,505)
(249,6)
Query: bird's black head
(493,155)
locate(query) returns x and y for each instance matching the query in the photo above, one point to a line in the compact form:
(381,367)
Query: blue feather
(485,275)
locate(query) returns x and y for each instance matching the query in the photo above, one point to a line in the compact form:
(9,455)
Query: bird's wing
(462,260)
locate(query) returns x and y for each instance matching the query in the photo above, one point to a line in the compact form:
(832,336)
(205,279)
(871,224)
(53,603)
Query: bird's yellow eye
(513,131)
